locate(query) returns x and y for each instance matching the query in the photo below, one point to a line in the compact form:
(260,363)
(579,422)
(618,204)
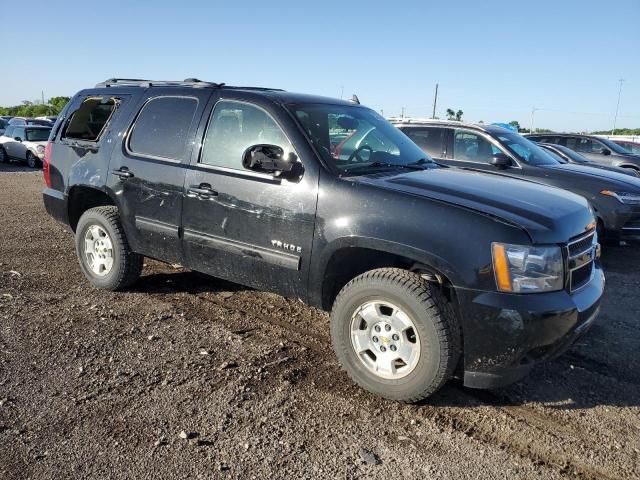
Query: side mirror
(17,139)
(606,151)
(270,159)
(500,160)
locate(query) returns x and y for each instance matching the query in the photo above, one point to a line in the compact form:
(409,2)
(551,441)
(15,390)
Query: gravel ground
(185,376)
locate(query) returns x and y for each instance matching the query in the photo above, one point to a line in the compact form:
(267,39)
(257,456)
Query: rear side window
(88,121)
(162,127)
(428,139)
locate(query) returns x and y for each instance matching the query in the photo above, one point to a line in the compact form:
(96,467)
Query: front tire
(395,334)
(32,160)
(103,251)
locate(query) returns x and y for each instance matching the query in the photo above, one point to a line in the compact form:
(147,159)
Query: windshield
(356,139)
(555,155)
(525,150)
(572,154)
(37,134)
(614,147)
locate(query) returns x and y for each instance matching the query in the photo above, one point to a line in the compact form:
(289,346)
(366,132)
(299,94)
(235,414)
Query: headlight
(40,149)
(527,269)
(623,197)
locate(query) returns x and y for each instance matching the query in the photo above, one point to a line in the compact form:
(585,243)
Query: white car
(24,143)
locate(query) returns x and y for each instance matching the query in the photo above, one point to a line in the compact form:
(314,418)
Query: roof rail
(128,82)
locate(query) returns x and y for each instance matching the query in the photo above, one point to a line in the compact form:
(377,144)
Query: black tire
(127,265)
(4,158)
(436,323)
(32,160)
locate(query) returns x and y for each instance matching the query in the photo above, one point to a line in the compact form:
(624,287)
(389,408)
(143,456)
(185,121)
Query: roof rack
(187,82)
(136,82)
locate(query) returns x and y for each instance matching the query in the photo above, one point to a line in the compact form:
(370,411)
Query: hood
(609,178)
(547,214)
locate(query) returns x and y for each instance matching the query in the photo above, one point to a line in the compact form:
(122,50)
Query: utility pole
(402,114)
(615,118)
(42,91)
(533,112)
(435,102)
(341,91)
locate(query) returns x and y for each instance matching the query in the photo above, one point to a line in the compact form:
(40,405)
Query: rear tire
(429,331)
(103,251)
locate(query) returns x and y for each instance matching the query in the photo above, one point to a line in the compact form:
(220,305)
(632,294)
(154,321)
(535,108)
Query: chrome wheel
(31,160)
(385,339)
(98,250)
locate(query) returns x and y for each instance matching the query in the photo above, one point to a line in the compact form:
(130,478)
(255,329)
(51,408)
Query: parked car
(428,271)
(24,143)
(3,126)
(632,147)
(596,149)
(566,155)
(22,121)
(614,197)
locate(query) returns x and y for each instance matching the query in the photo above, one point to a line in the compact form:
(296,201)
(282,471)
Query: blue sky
(495,60)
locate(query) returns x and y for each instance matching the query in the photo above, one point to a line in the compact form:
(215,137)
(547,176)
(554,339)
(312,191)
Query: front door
(252,228)
(16,148)
(148,167)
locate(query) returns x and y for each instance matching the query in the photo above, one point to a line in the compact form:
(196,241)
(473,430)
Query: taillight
(46,164)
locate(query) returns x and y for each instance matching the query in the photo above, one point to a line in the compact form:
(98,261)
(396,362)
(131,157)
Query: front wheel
(32,161)
(395,334)
(103,251)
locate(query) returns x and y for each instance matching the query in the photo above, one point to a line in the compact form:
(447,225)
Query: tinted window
(162,127)
(19,132)
(428,139)
(233,128)
(88,121)
(585,145)
(37,134)
(472,147)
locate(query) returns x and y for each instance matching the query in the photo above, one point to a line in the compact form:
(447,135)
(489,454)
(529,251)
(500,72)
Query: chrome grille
(580,258)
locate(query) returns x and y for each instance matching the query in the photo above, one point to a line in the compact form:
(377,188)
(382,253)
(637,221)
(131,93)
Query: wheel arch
(81,198)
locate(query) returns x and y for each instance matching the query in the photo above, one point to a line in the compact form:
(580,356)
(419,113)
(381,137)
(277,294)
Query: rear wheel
(103,251)
(32,160)
(395,334)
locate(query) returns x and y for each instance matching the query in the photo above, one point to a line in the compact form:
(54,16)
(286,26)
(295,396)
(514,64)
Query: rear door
(148,168)
(430,139)
(249,227)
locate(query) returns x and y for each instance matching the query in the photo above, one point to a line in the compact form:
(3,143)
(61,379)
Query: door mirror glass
(500,160)
(606,151)
(17,139)
(270,159)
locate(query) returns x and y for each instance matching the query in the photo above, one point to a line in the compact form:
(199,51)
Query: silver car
(24,143)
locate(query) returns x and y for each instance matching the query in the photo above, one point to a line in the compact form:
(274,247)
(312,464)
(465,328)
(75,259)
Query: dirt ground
(188,377)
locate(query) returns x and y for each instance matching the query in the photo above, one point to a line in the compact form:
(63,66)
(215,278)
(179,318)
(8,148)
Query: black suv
(428,272)
(614,196)
(596,149)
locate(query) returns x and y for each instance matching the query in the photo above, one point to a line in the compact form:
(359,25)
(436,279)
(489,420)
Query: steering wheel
(355,156)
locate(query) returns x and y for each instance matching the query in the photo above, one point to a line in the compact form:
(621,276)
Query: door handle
(122,172)
(202,190)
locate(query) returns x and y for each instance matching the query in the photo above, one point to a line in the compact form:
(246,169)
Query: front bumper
(623,223)
(506,335)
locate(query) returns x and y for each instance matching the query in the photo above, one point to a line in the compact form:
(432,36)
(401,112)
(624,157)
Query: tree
(455,116)
(30,109)
(515,124)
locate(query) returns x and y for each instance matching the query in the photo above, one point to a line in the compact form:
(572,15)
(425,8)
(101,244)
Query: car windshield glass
(37,134)
(355,139)
(576,157)
(524,149)
(555,155)
(614,147)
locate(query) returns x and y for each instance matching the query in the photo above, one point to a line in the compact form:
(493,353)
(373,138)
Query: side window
(9,131)
(162,127)
(584,145)
(472,147)
(428,139)
(233,128)
(19,132)
(88,121)
(570,142)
